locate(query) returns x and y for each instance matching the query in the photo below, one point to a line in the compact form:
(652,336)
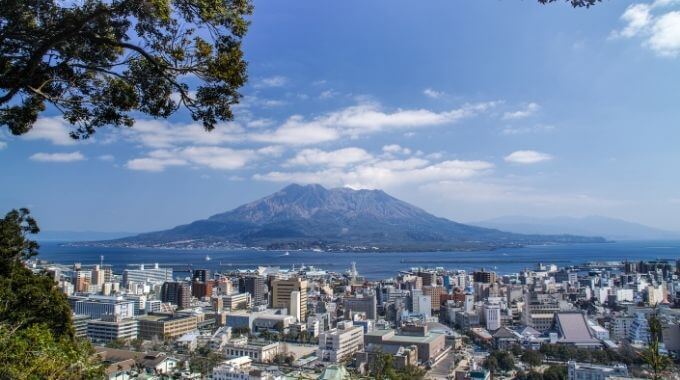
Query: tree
(37,338)
(555,373)
(532,358)
(657,361)
(99,61)
(491,363)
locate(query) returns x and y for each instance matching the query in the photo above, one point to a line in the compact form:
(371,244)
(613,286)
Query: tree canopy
(100,61)
(36,332)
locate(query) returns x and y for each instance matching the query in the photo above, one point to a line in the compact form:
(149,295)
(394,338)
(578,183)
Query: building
(164,326)
(262,352)
(422,305)
(202,290)
(281,294)
(97,306)
(583,371)
(539,311)
(361,303)
(492,316)
(294,308)
(111,328)
(255,285)
(155,275)
(150,363)
(484,277)
(80,325)
(340,343)
(176,293)
(572,328)
(430,345)
(639,329)
(236,301)
(402,357)
(435,292)
(201,275)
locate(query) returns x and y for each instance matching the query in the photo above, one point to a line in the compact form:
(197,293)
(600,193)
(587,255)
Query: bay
(372,265)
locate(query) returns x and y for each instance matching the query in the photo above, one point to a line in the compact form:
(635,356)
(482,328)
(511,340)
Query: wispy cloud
(58,157)
(432,93)
(274,81)
(526,111)
(523,130)
(3,145)
(527,157)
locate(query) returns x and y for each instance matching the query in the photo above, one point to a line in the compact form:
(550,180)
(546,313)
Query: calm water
(370,265)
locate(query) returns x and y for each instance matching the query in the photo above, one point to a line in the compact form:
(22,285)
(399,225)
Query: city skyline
(470,111)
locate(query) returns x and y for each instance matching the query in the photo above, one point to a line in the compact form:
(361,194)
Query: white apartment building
(111,328)
(97,306)
(340,343)
(147,275)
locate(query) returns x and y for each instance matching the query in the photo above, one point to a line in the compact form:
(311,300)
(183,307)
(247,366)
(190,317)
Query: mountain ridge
(609,228)
(313,217)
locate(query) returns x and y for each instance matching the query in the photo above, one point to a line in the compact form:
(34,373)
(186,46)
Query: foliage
(36,332)
(382,367)
(36,353)
(574,3)
(204,364)
(532,358)
(555,372)
(100,61)
(657,361)
(500,360)
(565,352)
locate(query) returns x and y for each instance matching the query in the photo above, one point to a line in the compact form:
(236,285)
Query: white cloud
(161,134)
(3,145)
(106,157)
(396,149)
(665,38)
(336,158)
(297,131)
(58,157)
(659,28)
(431,93)
(327,94)
(525,112)
(540,128)
(380,174)
(274,81)
(54,129)
(206,156)
(527,157)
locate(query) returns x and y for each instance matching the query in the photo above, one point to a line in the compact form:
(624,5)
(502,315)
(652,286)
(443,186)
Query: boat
(207,258)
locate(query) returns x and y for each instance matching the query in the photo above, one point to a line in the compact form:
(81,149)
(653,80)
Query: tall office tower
(224,286)
(484,276)
(363,303)
(201,289)
(294,309)
(255,286)
(435,293)
(178,293)
(97,275)
(281,293)
(202,275)
(429,278)
(492,316)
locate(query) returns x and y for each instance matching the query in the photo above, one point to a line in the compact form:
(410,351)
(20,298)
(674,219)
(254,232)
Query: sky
(467,109)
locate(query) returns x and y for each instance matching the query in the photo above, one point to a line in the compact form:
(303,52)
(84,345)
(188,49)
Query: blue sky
(469,110)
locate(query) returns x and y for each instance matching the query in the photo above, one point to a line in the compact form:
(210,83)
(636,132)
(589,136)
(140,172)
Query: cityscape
(339,190)
(272,322)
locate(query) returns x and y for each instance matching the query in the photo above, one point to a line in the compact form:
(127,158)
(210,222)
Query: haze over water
(374,266)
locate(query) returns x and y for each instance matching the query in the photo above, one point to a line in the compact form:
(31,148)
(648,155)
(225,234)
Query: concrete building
(97,306)
(340,343)
(492,316)
(176,293)
(583,371)
(155,275)
(361,303)
(261,352)
(111,328)
(430,345)
(295,306)
(255,285)
(281,294)
(164,326)
(435,292)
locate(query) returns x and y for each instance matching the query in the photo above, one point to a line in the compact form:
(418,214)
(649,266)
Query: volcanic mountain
(311,216)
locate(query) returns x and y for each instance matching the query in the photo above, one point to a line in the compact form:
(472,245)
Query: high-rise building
(177,293)
(362,303)
(201,275)
(98,306)
(111,328)
(255,285)
(98,276)
(435,292)
(484,276)
(294,309)
(201,289)
(282,289)
(492,316)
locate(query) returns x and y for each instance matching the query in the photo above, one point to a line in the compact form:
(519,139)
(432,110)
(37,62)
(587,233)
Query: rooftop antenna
(101,261)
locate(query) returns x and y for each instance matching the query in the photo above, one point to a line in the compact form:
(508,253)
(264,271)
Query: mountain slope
(338,219)
(609,228)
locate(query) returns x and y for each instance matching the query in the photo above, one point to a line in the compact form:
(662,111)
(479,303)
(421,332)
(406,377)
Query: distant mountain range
(80,235)
(313,217)
(609,228)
